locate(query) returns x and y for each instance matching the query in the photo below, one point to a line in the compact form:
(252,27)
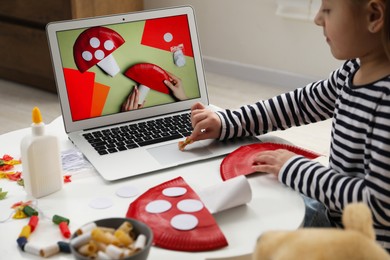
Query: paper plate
(178,218)
(150,75)
(240,161)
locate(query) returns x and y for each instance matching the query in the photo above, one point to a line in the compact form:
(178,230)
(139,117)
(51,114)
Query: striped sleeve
(359,161)
(313,103)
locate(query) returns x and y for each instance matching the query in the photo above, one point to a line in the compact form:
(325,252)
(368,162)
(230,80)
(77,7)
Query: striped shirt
(359,163)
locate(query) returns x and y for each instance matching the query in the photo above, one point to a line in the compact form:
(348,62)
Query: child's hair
(386,29)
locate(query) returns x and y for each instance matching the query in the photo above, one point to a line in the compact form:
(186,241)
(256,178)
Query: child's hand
(175,85)
(271,161)
(131,102)
(206,123)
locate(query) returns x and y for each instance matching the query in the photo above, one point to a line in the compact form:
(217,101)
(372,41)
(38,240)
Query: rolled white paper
(143,92)
(50,250)
(226,195)
(42,251)
(114,252)
(109,65)
(140,242)
(32,249)
(81,240)
(102,256)
(86,228)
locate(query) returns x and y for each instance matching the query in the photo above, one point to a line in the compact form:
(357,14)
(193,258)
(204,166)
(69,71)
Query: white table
(273,206)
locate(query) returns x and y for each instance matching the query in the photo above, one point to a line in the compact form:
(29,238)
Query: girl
(356,97)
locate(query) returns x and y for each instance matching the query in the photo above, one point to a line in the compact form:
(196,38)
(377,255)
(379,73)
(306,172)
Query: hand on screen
(175,85)
(131,103)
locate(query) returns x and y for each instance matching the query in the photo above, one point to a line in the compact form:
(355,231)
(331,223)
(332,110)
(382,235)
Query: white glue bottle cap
(37,126)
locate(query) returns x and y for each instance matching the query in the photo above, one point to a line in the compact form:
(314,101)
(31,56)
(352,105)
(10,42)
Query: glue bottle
(41,160)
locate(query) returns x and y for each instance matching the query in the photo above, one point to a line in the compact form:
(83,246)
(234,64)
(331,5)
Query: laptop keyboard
(135,135)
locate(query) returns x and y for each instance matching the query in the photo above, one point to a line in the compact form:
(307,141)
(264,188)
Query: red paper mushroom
(148,76)
(178,218)
(95,46)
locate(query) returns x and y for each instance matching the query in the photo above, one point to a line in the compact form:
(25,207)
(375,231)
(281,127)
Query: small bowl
(138,228)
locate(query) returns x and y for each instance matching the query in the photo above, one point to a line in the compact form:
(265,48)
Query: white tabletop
(273,206)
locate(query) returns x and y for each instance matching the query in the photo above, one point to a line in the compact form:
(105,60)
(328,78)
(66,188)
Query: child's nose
(318,19)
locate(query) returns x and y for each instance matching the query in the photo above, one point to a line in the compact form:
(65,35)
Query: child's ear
(376,18)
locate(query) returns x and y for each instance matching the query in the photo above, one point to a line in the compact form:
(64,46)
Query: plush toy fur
(356,241)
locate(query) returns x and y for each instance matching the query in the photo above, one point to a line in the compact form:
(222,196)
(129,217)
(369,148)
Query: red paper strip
(240,161)
(80,92)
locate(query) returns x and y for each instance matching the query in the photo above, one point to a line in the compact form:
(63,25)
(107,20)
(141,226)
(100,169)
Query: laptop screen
(125,67)
(134,65)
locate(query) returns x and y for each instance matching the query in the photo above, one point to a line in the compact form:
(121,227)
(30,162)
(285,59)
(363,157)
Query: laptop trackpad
(171,155)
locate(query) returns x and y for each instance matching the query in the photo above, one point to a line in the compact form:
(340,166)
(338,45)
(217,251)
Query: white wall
(248,34)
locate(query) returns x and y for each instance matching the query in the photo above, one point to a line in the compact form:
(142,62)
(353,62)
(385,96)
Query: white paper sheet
(226,195)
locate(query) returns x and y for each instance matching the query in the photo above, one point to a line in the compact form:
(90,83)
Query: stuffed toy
(355,241)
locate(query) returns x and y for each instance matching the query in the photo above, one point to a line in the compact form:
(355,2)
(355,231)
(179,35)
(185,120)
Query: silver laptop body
(146,47)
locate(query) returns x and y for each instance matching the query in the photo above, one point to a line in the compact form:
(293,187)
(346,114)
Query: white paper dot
(109,45)
(184,222)
(158,206)
(174,191)
(190,205)
(99,54)
(94,42)
(127,192)
(168,37)
(87,55)
(100,203)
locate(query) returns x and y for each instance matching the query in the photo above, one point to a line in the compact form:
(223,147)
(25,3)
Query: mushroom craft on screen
(106,64)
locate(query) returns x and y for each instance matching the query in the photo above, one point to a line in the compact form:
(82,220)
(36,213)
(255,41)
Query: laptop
(113,74)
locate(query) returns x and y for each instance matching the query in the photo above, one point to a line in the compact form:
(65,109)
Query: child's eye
(325,11)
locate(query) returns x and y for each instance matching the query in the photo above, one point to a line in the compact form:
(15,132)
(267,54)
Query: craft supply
(103,256)
(64,247)
(178,218)
(81,240)
(42,251)
(64,229)
(22,241)
(109,243)
(42,170)
(29,211)
(89,249)
(104,237)
(140,242)
(115,252)
(126,227)
(183,144)
(127,192)
(58,219)
(86,228)
(240,161)
(36,249)
(26,231)
(123,237)
(33,222)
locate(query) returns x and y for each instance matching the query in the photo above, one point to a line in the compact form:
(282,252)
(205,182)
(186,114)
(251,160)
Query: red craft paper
(240,161)
(150,75)
(177,26)
(206,236)
(80,91)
